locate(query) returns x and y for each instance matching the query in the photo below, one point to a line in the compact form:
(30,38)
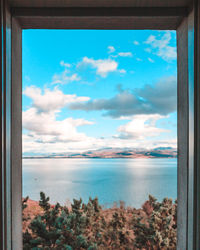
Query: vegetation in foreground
(89,226)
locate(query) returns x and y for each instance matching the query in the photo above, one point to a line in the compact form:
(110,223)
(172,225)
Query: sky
(92,89)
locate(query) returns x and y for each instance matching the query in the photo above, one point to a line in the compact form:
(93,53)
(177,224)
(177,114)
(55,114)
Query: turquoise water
(111,180)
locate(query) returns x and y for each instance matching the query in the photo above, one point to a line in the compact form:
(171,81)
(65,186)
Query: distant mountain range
(161,152)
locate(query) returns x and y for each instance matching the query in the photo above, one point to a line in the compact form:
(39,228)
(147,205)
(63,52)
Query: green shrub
(57,228)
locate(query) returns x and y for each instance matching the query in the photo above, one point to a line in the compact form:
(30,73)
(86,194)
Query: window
(100,120)
(188,201)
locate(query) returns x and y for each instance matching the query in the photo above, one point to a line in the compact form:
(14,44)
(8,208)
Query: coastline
(68,157)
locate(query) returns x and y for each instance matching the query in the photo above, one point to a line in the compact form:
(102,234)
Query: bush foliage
(88,226)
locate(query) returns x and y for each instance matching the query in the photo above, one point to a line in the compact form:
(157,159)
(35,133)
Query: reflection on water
(111,180)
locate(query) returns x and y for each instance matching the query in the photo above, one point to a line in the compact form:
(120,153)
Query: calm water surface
(111,180)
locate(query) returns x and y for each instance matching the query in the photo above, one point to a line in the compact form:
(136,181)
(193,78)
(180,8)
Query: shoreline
(63,157)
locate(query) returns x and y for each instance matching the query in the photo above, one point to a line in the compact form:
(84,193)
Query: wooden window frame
(187,23)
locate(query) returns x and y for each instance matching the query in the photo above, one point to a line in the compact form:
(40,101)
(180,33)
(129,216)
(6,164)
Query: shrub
(88,226)
(57,228)
(159,230)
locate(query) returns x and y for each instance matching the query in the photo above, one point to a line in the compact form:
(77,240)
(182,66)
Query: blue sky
(90,89)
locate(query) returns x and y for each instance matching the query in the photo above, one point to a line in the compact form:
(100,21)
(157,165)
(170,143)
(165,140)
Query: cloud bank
(158,99)
(44,132)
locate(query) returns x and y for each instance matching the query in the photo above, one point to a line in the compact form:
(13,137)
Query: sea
(111,180)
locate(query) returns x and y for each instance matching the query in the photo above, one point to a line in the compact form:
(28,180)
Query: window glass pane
(99,120)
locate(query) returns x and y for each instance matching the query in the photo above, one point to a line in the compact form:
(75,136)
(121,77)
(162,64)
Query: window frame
(187,24)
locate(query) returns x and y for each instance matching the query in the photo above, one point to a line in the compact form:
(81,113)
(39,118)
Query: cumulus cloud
(51,100)
(102,66)
(158,99)
(125,54)
(161,46)
(111,49)
(45,127)
(41,124)
(141,127)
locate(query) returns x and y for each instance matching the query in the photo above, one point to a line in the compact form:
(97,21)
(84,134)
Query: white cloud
(125,54)
(67,65)
(111,49)
(150,60)
(136,43)
(35,144)
(51,100)
(141,127)
(46,128)
(161,46)
(44,133)
(64,78)
(139,59)
(102,66)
